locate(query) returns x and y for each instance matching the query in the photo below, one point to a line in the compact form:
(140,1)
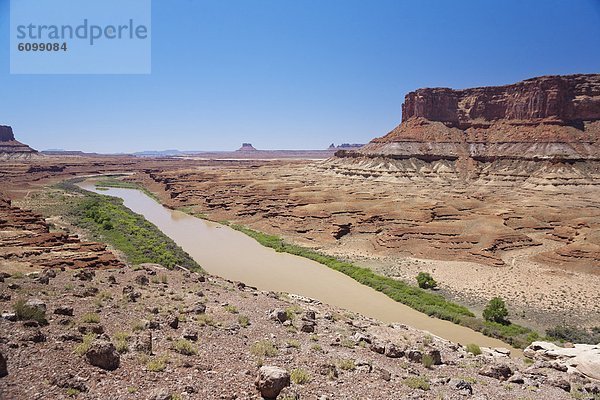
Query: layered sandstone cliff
(10,148)
(468,133)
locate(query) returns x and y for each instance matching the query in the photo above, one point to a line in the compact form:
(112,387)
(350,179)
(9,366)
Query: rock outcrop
(26,242)
(10,148)
(481,133)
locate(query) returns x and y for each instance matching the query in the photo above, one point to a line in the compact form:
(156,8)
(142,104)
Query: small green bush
(84,346)
(231,309)
(347,364)
(244,321)
(264,348)
(474,349)
(417,382)
(185,347)
(496,311)
(425,281)
(300,376)
(427,361)
(158,364)
(26,313)
(92,318)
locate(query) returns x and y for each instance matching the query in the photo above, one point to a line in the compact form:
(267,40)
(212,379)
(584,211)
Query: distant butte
(247,147)
(11,148)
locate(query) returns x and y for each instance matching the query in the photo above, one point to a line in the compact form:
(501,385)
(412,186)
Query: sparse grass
(417,382)
(121,344)
(347,364)
(427,361)
(164,279)
(316,347)
(244,321)
(138,326)
(293,343)
(18,275)
(90,318)
(25,312)
(264,348)
(84,346)
(132,389)
(72,392)
(292,311)
(157,364)
(300,376)
(205,319)
(473,349)
(347,343)
(231,309)
(185,347)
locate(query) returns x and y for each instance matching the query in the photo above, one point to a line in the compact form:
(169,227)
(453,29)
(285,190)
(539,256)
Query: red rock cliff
(554,99)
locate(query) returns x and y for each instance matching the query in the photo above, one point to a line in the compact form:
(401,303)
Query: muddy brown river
(230,254)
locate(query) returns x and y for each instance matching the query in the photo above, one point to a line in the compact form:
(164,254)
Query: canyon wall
(11,149)
(546,127)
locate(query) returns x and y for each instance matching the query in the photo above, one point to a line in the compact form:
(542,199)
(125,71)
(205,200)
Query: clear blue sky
(290,74)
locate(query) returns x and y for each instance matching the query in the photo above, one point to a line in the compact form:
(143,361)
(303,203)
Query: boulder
(37,304)
(103,354)
(278,315)
(143,343)
(497,371)
(64,310)
(271,381)
(393,351)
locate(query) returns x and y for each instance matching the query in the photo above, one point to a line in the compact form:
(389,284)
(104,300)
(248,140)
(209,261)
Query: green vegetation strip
(421,300)
(112,181)
(108,220)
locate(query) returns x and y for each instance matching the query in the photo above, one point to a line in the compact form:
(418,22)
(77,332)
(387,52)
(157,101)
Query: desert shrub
(264,348)
(496,311)
(121,344)
(25,312)
(427,361)
(185,347)
(231,309)
(299,376)
(84,346)
(347,364)
(473,349)
(293,343)
(158,364)
(92,318)
(244,321)
(425,281)
(566,333)
(417,382)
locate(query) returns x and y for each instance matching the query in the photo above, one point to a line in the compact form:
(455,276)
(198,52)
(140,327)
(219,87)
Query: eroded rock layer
(10,148)
(26,242)
(542,131)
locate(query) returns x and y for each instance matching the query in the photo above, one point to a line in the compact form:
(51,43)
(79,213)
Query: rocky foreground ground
(151,333)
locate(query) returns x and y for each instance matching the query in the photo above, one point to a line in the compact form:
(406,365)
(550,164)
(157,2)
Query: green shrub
(84,346)
(427,361)
(473,349)
(185,347)
(25,312)
(496,311)
(158,364)
(231,309)
(299,376)
(264,348)
(121,344)
(92,318)
(425,281)
(347,364)
(573,334)
(244,321)
(417,382)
